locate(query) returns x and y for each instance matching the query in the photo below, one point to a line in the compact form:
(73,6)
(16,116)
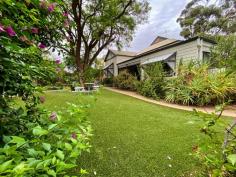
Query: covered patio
(135,66)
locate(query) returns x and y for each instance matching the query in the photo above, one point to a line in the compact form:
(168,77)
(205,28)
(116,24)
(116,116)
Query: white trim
(156,59)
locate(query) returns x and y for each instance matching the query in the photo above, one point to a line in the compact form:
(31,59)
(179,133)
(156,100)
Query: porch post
(142,74)
(115,69)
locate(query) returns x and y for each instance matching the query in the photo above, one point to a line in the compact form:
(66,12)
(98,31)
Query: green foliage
(203,18)
(154,82)
(224,52)
(125,80)
(196,85)
(86,29)
(51,148)
(217,154)
(92,74)
(31,144)
(108,81)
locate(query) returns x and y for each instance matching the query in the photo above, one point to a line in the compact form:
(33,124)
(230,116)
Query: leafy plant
(154,81)
(196,85)
(125,80)
(51,148)
(33,143)
(218,154)
(108,81)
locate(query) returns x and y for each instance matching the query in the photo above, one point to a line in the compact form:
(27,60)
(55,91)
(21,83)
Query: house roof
(120,53)
(123,53)
(158,39)
(157,45)
(165,44)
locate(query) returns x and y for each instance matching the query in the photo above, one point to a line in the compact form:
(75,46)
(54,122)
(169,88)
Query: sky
(162,22)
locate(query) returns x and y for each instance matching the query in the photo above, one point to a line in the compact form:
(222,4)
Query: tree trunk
(81,78)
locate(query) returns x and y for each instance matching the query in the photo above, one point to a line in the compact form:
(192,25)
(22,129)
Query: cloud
(162,22)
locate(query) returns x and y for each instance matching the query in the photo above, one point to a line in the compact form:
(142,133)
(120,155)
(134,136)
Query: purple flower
(58,61)
(42,99)
(65,14)
(42,46)
(53,116)
(74,135)
(1,28)
(35,30)
(51,7)
(10,31)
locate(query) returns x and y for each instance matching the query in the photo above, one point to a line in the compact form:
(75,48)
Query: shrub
(125,80)
(195,85)
(32,141)
(224,53)
(92,74)
(154,81)
(217,152)
(50,146)
(108,82)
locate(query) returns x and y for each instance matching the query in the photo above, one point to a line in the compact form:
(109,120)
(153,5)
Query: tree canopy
(201,17)
(85,28)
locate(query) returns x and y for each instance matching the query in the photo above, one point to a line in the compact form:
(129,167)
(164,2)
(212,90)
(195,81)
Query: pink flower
(58,61)
(23,38)
(10,31)
(65,14)
(42,46)
(1,28)
(51,7)
(42,99)
(35,30)
(53,116)
(74,135)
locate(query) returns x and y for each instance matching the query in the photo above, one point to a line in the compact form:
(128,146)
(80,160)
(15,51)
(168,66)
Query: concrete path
(230,111)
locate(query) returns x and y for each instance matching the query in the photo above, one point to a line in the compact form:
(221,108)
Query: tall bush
(196,85)
(125,80)
(153,84)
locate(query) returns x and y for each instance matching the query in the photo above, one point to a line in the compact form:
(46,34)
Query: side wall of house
(184,52)
(191,51)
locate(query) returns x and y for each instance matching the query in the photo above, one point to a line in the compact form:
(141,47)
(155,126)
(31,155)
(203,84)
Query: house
(113,58)
(167,51)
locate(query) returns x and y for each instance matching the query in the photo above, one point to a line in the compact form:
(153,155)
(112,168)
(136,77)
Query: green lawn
(133,138)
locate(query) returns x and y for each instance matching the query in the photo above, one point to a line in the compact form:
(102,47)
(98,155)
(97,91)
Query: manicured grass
(133,138)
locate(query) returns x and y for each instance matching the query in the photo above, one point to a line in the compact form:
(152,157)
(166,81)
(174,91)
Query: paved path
(229,111)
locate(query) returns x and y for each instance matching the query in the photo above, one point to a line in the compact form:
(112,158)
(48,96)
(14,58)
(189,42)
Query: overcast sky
(162,22)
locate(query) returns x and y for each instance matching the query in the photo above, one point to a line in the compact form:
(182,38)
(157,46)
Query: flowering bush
(50,147)
(32,141)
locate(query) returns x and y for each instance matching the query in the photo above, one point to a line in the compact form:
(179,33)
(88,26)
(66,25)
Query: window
(209,60)
(206,57)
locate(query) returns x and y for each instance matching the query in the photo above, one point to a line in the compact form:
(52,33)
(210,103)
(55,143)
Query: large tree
(90,26)
(202,17)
